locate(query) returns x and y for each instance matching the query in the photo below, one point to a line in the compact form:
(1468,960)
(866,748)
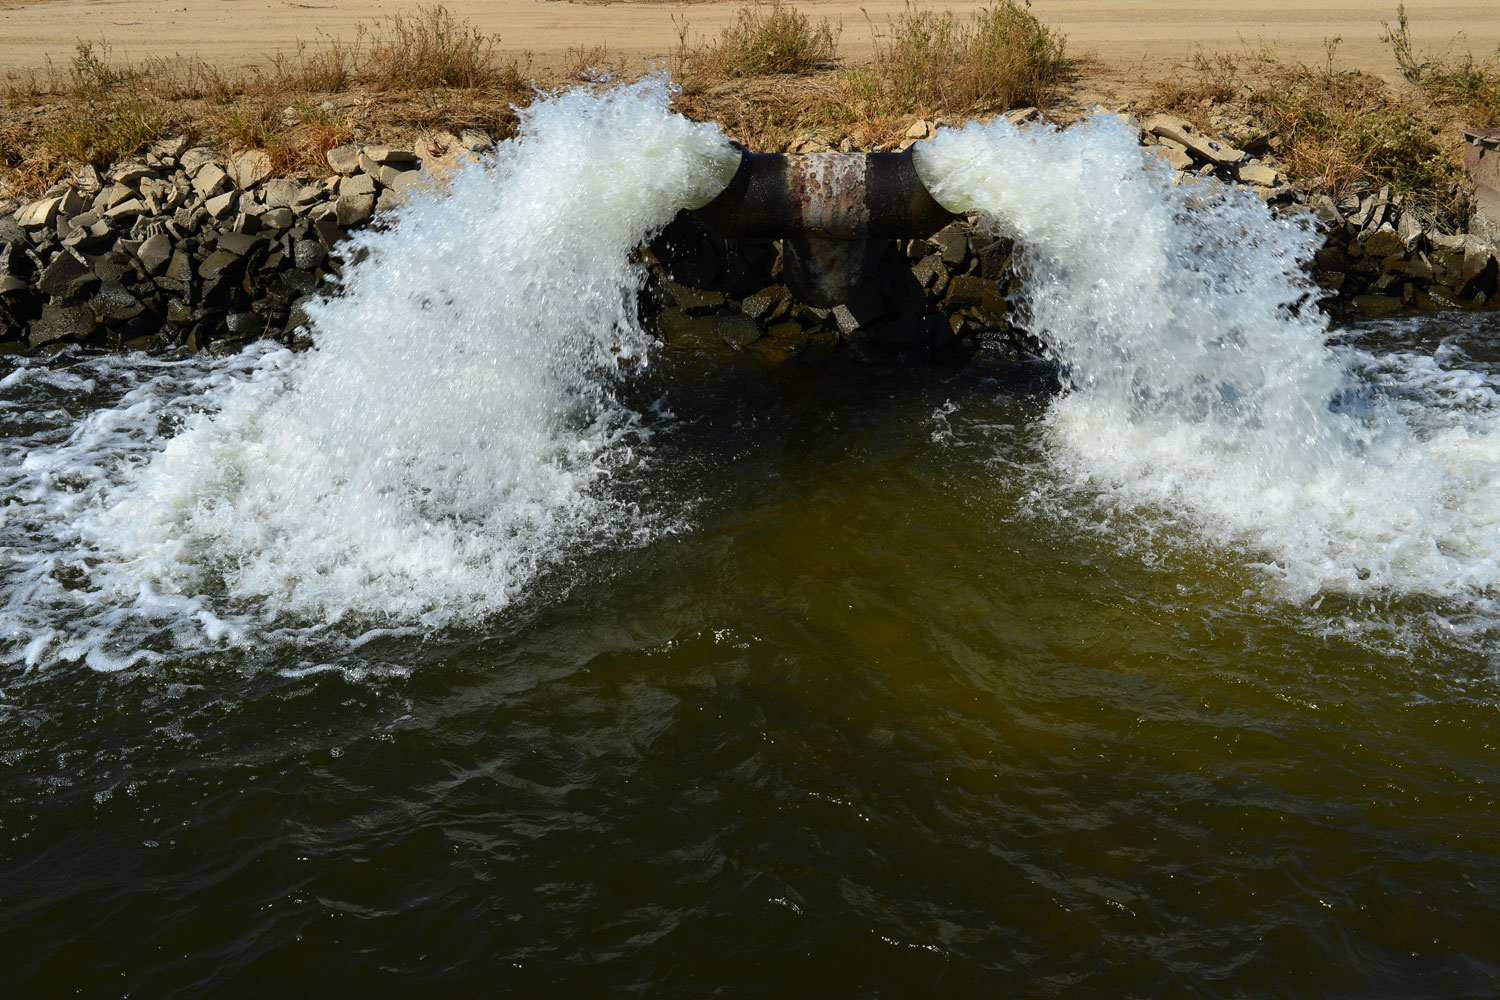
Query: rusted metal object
(825,208)
(1482,160)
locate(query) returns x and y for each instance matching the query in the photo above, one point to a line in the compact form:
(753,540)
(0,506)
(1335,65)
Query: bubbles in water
(1199,385)
(447,438)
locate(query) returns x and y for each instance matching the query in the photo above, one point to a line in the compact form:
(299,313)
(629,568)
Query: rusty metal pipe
(831,196)
(828,209)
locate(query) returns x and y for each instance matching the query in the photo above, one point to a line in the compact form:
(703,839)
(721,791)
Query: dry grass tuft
(929,63)
(768,39)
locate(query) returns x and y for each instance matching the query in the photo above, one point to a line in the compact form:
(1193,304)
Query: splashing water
(443,442)
(1198,380)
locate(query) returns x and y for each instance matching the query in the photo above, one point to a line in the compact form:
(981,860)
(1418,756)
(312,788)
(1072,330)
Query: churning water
(663,673)
(439,448)
(1199,386)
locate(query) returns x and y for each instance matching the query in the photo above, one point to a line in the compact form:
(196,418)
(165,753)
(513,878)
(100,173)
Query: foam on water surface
(450,434)
(1199,387)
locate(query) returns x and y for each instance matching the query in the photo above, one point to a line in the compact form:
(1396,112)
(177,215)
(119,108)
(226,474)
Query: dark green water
(868,724)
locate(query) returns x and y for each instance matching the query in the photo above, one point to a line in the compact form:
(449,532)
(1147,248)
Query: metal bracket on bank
(826,208)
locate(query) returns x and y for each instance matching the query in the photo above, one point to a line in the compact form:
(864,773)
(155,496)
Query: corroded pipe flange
(838,196)
(826,208)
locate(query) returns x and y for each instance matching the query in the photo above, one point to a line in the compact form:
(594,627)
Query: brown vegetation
(772,79)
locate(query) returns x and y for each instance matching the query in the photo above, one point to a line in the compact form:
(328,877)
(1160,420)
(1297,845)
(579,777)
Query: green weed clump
(999,58)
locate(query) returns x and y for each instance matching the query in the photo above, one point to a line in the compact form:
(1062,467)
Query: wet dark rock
(308,254)
(59,323)
(113,302)
(67,276)
(155,253)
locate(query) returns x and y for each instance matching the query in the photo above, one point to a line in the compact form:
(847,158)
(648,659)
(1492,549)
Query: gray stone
(690,298)
(475,140)
(308,254)
(765,304)
(195,159)
(69,274)
(1258,174)
(330,233)
(354,210)
(178,276)
(130,174)
(87,178)
(170,148)
(221,206)
(239,244)
(126,209)
(737,330)
(15,261)
(59,322)
(282,192)
(1175,153)
(113,302)
(249,168)
(344,159)
(1380,243)
(1410,231)
(359,184)
(390,173)
(929,270)
(10,284)
(39,213)
(953,241)
(210,181)
(371,158)
(155,253)
(1180,131)
(278,218)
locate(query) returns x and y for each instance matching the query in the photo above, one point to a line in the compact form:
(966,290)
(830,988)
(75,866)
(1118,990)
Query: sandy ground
(1149,37)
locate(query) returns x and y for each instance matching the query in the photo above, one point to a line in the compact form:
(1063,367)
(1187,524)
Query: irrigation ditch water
(489,647)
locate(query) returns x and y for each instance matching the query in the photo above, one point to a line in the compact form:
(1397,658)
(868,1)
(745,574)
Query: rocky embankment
(187,248)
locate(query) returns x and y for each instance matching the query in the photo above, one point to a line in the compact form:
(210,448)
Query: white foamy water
(450,435)
(1199,388)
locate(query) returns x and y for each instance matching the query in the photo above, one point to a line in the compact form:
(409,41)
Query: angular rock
(221,206)
(282,193)
(1410,231)
(127,209)
(1258,174)
(171,148)
(1380,243)
(155,253)
(359,184)
(1175,153)
(210,181)
(59,322)
(249,168)
(39,213)
(239,244)
(766,304)
(1202,147)
(372,158)
(953,241)
(87,178)
(194,160)
(344,159)
(391,173)
(354,209)
(113,303)
(68,275)
(278,218)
